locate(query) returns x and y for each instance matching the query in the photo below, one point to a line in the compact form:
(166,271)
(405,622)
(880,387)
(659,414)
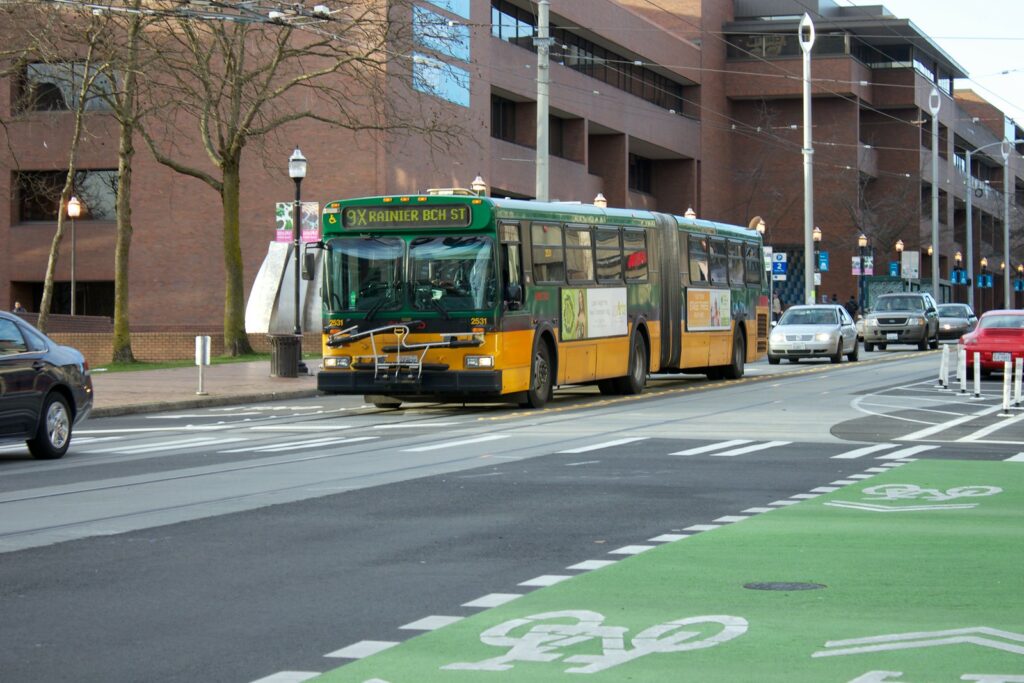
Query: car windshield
(900,303)
(809,316)
(954,311)
(1002,322)
(452,273)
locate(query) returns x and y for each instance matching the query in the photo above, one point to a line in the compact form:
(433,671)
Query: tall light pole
(806,37)
(74,211)
(862,243)
(1006,221)
(543,44)
(297,171)
(934,104)
(899,263)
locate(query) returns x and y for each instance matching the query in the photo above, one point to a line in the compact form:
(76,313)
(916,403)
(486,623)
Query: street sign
(779,264)
(911,265)
(894,268)
(823,261)
(767,258)
(779,277)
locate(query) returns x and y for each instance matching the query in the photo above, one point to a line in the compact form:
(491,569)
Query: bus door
(671,305)
(516,324)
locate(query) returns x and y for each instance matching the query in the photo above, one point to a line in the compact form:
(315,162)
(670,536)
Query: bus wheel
(608,387)
(541,388)
(383,402)
(634,382)
(734,370)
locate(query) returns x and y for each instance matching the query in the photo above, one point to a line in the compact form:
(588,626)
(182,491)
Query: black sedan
(956,320)
(45,388)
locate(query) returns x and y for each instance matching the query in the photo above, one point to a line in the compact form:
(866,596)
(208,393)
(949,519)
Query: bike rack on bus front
(413,364)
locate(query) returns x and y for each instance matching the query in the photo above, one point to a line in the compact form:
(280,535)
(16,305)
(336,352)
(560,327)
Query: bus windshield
(447,273)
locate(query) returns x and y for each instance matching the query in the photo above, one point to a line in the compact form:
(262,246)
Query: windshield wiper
(372,310)
(437,305)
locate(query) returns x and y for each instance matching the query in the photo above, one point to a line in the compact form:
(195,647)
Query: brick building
(665,106)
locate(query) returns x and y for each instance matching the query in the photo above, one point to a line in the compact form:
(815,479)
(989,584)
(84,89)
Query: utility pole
(542,42)
(806,36)
(934,103)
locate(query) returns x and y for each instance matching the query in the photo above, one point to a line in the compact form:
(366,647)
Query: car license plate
(1002,357)
(797,347)
(892,336)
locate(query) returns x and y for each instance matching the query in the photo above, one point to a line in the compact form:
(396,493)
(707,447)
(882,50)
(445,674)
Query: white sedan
(813,331)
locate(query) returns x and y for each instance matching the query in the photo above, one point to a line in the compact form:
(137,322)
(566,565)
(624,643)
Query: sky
(985,37)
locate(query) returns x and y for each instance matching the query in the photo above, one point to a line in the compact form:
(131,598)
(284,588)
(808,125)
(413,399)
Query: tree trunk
(122,334)
(236,342)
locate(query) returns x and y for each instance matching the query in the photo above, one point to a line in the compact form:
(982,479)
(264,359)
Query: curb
(201,402)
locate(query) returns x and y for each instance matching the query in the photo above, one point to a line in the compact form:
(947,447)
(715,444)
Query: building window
(38,194)
(556,137)
(56,87)
(436,78)
(435,32)
(503,118)
(512,24)
(459,7)
(640,172)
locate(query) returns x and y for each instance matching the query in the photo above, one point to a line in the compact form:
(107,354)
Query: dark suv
(910,318)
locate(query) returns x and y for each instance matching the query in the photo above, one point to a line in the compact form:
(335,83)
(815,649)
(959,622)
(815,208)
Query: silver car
(956,320)
(814,331)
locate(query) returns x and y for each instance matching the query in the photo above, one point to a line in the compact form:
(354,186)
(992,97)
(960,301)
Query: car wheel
(773,360)
(923,344)
(935,341)
(854,356)
(881,347)
(53,436)
(837,357)
(869,347)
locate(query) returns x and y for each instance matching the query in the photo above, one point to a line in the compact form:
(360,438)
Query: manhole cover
(784,586)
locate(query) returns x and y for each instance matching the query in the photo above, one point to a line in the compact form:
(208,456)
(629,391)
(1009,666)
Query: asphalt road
(231,544)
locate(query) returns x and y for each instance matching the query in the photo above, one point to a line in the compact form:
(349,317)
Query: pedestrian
(851,307)
(835,299)
(18,308)
(776,307)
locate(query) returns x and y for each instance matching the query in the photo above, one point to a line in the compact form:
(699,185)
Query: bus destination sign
(406,217)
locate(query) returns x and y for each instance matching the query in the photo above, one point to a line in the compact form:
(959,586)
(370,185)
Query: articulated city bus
(454,297)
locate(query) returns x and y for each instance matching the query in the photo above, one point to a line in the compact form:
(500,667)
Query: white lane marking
(299,428)
(492,600)
(431,623)
(631,550)
(606,444)
(1016,458)
(860,402)
(825,489)
(668,538)
(860,476)
(994,427)
(582,462)
(943,426)
(702,527)
(905,452)
(289,677)
(364,648)
(751,449)
(165,446)
(589,565)
(876,469)
(912,408)
(413,425)
(784,502)
(315,443)
(730,519)
(843,482)
(866,450)
(712,447)
(453,444)
(144,430)
(545,580)
(804,496)
(758,510)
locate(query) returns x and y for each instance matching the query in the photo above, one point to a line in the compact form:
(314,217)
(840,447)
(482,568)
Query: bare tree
(240,81)
(883,208)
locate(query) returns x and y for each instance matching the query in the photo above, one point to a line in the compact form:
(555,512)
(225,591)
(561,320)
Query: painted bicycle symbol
(914,492)
(543,637)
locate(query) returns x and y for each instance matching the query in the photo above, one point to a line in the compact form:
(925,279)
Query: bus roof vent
(451,191)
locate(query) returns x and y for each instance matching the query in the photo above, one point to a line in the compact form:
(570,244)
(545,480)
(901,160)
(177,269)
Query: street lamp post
(816,239)
(74,211)
(761,229)
(934,104)
(899,263)
(958,270)
(297,171)
(862,243)
(806,38)
(983,284)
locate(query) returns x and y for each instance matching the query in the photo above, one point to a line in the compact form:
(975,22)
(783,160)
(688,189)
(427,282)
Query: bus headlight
(479,361)
(337,361)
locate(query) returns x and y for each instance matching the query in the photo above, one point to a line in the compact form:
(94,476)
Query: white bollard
(977,375)
(944,370)
(1007,378)
(1018,376)
(961,368)
(202,358)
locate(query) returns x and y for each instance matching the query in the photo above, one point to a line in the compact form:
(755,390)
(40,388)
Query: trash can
(285,353)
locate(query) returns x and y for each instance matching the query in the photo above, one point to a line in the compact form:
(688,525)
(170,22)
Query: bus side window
(755,264)
(609,255)
(698,259)
(579,255)
(736,264)
(719,262)
(634,250)
(548,253)
(512,266)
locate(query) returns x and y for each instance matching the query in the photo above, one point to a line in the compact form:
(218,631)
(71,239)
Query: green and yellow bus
(453,297)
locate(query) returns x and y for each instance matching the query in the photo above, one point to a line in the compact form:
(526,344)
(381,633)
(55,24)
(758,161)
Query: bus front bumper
(463,384)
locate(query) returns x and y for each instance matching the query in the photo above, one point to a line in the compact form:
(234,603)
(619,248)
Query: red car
(998,338)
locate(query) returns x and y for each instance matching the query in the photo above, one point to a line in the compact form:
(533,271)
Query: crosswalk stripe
(905,452)
(453,444)
(277,448)
(866,450)
(712,447)
(606,444)
(364,648)
(1016,458)
(751,449)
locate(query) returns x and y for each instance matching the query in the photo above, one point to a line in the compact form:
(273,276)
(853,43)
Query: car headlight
(823,336)
(479,361)
(871,322)
(337,361)
(915,322)
(777,337)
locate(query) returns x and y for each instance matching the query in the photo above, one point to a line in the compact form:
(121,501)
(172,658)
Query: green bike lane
(915,575)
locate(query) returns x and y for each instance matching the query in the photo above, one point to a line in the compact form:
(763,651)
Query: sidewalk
(148,391)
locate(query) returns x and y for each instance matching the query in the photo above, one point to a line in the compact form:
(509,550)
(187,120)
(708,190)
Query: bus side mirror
(513,296)
(308,266)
